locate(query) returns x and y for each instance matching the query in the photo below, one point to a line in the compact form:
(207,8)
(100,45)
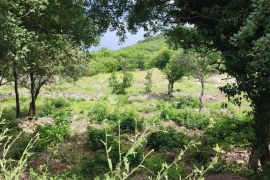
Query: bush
(231,130)
(55,132)
(148,82)
(120,87)
(161,140)
(192,119)
(52,105)
(95,138)
(59,103)
(186,117)
(19,146)
(129,122)
(169,113)
(94,166)
(155,162)
(134,160)
(188,101)
(101,112)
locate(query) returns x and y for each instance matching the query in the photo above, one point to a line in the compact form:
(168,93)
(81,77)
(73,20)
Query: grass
(96,88)
(82,96)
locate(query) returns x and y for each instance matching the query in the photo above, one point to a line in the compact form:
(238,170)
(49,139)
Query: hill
(137,56)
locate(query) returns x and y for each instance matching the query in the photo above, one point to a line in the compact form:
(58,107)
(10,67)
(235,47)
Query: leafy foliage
(149,82)
(161,140)
(120,87)
(138,56)
(55,132)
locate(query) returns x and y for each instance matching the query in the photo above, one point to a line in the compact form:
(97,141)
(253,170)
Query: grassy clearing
(92,104)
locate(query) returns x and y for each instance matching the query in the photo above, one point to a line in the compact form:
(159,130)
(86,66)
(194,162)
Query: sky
(111,41)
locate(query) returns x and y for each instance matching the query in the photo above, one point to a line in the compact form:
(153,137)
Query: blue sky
(111,41)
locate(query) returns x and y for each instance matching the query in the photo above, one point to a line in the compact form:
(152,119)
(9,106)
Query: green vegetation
(153,110)
(138,56)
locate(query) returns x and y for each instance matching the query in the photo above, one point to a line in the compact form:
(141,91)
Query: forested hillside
(138,56)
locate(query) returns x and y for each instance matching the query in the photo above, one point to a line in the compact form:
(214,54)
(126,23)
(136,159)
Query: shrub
(188,101)
(52,105)
(231,130)
(12,168)
(120,87)
(192,119)
(99,112)
(155,163)
(148,82)
(18,148)
(133,159)
(186,117)
(94,166)
(129,122)
(59,103)
(55,132)
(95,138)
(161,140)
(168,113)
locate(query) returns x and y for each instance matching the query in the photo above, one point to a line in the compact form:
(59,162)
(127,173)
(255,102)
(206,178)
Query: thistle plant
(11,169)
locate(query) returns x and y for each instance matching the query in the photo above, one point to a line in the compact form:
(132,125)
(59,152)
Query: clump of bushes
(231,130)
(119,87)
(186,117)
(188,101)
(101,112)
(155,163)
(161,140)
(192,119)
(169,113)
(95,138)
(55,132)
(129,122)
(52,105)
(94,166)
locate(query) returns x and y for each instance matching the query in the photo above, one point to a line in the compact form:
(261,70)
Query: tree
(176,68)
(161,58)
(238,29)
(201,67)
(14,39)
(252,52)
(31,28)
(47,60)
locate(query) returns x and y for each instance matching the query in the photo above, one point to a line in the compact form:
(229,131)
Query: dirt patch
(224,177)
(4,96)
(151,96)
(79,126)
(29,126)
(238,155)
(148,96)
(75,95)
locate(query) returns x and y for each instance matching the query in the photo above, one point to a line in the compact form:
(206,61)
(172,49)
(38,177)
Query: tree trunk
(32,108)
(202,93)
(170,88)
(260,150)
(16,89)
